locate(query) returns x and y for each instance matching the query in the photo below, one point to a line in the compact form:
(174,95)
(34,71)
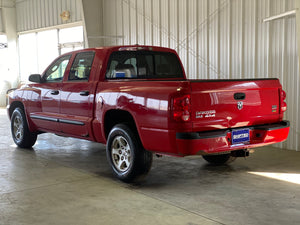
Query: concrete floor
(68,181)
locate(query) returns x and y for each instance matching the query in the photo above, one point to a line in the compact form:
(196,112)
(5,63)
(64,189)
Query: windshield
(143,64)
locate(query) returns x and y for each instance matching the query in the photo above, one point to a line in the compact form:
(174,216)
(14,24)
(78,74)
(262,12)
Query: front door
(50,92)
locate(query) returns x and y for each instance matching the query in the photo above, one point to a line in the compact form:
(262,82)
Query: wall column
(93,22)
(10,73)
(297,6)
(9,21)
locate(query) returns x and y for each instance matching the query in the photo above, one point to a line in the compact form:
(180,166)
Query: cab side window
(81,67)
(56,71)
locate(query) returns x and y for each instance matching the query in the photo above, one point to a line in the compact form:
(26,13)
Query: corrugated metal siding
(1,22)
(35,14)
(217,39)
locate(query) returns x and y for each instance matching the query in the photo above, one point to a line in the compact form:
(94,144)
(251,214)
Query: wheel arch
(13,106)
(19,104)
(117,116)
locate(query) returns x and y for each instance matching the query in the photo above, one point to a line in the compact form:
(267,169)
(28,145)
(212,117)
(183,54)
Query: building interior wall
(35,14)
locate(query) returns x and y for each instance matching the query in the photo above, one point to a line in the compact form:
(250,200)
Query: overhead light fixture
(280,16)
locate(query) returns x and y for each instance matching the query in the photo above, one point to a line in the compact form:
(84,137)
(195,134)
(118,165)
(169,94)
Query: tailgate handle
(239,96)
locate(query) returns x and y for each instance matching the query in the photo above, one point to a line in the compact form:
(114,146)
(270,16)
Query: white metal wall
(1,23)
(35,14)
(216,39)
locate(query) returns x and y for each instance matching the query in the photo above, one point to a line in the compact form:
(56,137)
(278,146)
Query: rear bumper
(220,141)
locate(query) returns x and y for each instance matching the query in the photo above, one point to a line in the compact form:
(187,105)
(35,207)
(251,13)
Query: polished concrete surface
(68,181)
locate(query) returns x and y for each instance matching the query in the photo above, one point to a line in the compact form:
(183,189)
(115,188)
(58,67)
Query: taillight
(182,108)
(283,103)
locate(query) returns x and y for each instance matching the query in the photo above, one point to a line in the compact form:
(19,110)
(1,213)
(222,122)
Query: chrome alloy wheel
(121,154)
(18,128)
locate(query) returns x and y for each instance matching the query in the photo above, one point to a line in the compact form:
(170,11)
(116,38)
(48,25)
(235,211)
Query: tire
(128,159)
(219,159)
(20,131)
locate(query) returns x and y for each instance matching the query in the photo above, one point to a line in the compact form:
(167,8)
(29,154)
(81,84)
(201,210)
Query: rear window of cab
(143,65)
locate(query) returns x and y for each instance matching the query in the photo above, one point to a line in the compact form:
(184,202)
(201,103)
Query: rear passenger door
(77,96)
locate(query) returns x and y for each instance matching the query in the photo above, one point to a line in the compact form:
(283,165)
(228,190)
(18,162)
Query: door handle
(54,92)
(84,93)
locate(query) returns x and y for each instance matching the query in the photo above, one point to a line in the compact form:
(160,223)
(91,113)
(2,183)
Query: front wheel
(126,155)
(20,131)
(219,159)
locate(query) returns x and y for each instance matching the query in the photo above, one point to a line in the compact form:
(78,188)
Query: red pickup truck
(138,101)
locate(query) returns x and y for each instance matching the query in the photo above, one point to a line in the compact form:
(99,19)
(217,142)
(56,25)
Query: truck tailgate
(223,104)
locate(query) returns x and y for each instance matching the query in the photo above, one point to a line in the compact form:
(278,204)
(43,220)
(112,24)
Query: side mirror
(36,78)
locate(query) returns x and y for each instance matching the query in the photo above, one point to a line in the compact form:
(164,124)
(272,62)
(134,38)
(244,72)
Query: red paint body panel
(260,96)
(212,106)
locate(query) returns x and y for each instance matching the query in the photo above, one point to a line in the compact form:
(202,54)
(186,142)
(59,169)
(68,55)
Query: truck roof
(127,48)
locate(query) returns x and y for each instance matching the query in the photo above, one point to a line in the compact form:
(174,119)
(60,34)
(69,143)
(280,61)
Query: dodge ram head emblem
(240,105)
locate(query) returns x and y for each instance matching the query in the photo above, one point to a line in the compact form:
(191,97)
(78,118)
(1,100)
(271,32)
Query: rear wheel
(20,131)
(219,159)
(126,155)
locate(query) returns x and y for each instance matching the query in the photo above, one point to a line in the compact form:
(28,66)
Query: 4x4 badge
(240,105)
